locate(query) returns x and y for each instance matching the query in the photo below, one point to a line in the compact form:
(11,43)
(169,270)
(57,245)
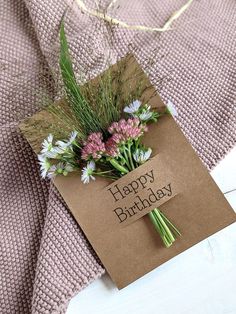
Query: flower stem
(159,229)
(170,224)
(164,227)
(76,144)
(130,157)
(112,177)
(117,166)
(127,160)
(102,172)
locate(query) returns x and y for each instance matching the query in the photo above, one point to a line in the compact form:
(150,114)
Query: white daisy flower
(48,149)
(141,156)
(44,165)
(172,109)
(53,153)
(66,151)
(62,145)
(87,172)
(133,107)
(47,144)
(73,136)
(52,172)
(145,116)
(60,168)
(57,151)
(67,168)
(63,148)
(65,144)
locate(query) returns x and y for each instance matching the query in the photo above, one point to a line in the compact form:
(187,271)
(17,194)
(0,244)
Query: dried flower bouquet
(106,127)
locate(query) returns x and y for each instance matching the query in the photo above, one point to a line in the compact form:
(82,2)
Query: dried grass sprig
(114,21)
(93,106)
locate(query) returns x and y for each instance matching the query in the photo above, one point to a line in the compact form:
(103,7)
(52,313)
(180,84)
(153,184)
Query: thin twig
(233,190)
(107,18)
(111,4)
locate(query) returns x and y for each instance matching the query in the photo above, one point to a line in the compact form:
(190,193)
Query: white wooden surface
(202,280)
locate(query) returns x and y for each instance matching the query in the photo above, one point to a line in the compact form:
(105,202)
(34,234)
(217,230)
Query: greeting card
(128,174)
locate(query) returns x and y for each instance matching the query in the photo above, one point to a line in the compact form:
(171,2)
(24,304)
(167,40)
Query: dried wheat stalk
(108,18)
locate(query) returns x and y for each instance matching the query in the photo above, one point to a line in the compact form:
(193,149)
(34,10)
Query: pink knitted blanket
(45,258)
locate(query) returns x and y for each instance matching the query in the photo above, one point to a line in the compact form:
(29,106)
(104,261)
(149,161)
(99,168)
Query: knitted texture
(45,258)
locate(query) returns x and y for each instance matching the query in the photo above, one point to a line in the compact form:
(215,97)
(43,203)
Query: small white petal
(50,138)
(73,136)
(44,165)
(61,144)
(141,156)
(52,172)
(67,144)
(51,154)
(43,173)
(147,154)
(145,116)
(68,167)
(47,144)
(91,165)
(133,107)
(87,172)
(172,109)
(41,157)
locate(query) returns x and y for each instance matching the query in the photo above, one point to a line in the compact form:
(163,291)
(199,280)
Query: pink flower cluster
(125,130)
(112,148)
(121,132)
(93,147)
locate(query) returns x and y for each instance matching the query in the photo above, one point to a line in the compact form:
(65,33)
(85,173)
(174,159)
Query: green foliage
(87,119)
(93,106)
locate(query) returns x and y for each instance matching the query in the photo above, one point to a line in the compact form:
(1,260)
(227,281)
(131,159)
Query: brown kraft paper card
(113,214)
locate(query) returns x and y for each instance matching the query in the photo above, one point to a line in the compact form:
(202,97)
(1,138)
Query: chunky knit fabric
(45,258)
